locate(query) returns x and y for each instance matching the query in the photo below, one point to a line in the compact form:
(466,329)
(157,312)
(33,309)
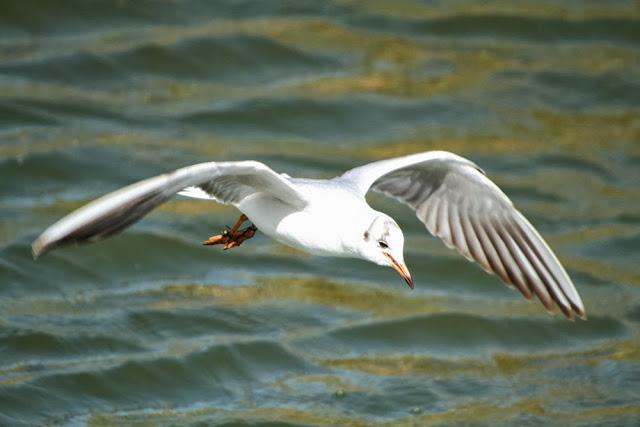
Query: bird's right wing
(456,202)
(225,182)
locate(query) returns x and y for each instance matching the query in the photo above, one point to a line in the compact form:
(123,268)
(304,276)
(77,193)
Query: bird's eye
(383,244)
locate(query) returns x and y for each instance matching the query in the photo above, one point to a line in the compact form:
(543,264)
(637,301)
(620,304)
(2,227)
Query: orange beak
(401,269)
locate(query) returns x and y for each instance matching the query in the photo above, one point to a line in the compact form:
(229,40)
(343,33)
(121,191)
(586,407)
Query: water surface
(151,328)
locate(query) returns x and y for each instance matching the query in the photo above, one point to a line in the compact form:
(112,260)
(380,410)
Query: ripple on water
(466,335)
(14,114)
(70,174)
(76,16)
(20,345)
(332,120)
(149,327)
(215,375)
(225,59)
(574,91)
(536,29)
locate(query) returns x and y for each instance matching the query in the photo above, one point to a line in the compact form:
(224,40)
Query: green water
(151,328)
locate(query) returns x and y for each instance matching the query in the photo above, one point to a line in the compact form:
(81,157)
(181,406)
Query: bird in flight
(450,195)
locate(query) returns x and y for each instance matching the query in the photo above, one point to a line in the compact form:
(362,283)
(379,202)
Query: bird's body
(322,227)
(450,195)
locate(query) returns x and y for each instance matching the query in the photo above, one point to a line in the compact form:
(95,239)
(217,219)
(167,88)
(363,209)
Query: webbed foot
(232,237)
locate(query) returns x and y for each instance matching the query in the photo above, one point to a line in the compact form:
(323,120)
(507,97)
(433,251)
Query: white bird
(452,197)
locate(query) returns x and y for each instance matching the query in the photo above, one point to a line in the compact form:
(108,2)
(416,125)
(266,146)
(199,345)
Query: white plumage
(450,195)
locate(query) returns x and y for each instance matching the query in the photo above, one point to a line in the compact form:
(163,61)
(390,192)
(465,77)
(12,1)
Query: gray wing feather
(459,204)
(226,182)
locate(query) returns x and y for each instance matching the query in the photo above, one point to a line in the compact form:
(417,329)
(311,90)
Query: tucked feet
(232,237)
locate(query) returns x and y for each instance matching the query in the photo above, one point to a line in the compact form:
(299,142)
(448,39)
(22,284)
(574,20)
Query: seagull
(449,194)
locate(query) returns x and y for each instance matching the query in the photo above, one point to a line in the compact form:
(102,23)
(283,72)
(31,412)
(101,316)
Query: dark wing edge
(118,210)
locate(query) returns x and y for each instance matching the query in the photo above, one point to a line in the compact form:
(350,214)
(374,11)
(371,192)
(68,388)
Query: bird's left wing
(458,203)
(226,182)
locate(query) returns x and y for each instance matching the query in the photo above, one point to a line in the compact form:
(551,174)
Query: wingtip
(569,313)
(575,313)
(39,248)
(578,309)
(582,314)
(35,250)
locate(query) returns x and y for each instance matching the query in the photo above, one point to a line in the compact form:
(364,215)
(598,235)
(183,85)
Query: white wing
(202,193)
(225,182)
(196,193)
(459,204)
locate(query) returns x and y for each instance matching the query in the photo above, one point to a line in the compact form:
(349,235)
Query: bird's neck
(353,226)
(335,229)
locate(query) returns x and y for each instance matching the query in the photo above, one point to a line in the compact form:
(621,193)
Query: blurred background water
(151,328)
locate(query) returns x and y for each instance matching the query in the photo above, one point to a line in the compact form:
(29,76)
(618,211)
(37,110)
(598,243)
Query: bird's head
(383,244)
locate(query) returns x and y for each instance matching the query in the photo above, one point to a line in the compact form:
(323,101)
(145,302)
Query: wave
(466,335)
(213,375)
(536,29)
(234,58)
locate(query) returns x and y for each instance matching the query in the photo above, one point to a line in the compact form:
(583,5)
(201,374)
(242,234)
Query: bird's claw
(231,239)
(216,239)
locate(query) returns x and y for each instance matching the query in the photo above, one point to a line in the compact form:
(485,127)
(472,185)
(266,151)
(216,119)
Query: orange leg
(241,236)
(233,237)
